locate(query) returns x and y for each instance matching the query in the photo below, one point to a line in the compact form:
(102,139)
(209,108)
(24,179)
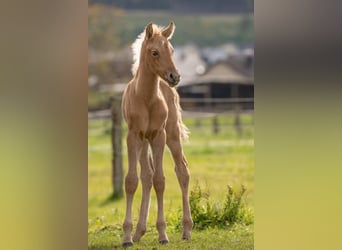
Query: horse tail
(184,131)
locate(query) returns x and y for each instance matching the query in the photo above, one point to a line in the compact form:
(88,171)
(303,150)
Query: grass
(215,161)
(237,238)
(207,213)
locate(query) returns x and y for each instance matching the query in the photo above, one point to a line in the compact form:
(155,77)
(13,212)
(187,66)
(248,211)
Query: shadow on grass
(112,198)
(105,247)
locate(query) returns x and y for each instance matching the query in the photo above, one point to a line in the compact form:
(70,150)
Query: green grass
(215,161)
(238,238)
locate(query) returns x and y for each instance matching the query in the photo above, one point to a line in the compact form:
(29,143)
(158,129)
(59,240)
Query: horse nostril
(171,76)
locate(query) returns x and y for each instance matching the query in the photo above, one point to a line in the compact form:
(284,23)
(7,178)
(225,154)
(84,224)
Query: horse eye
(155,53)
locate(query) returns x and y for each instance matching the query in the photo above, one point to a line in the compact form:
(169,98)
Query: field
(215,161)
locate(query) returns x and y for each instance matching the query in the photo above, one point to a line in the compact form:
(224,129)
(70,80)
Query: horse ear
(149,31)
(168,31)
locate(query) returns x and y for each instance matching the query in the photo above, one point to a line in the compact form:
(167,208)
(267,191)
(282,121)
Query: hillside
(111,28)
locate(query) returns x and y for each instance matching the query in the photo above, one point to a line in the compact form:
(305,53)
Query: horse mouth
(173,84)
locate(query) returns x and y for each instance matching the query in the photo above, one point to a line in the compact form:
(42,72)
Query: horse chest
(148,119)
(157,120)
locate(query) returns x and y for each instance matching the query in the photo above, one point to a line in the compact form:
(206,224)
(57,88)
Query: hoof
(127,244)
(186,236)
(163,242)
(136,238)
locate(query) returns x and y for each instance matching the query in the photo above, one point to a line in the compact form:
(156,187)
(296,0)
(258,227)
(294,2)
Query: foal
(151,109)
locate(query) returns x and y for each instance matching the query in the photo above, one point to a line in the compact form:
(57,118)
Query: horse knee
(147,179)
(159,182)
(131,184)
(127,226)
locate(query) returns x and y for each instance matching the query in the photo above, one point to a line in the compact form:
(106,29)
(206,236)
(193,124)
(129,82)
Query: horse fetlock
(139,232)
(137,236)
(187,224)
(127,226)
(186,235)
(127,239)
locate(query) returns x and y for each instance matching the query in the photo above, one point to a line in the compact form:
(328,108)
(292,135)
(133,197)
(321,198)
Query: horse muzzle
(173,78)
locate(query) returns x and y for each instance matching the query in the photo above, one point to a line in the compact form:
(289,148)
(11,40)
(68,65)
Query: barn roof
(222,72)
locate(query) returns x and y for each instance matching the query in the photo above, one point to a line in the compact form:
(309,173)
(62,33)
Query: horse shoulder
(134,110)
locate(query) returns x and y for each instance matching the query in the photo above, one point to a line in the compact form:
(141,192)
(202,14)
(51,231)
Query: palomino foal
(151,109)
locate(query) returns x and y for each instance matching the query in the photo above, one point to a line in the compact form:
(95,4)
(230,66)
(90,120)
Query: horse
(151,109)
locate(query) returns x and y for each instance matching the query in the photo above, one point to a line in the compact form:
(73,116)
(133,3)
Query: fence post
(216,128)
(237,109)
(238,121)
(117,168)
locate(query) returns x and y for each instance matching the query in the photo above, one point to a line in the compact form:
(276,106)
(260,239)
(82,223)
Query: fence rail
(218,100)
(201,107)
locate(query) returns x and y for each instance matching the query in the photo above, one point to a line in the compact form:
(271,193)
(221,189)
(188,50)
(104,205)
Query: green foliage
(110,28)
(207,213)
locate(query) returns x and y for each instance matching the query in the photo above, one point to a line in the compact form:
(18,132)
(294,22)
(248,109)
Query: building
(226,85)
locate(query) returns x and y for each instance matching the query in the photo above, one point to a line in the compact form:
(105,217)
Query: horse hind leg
(146,175)
(183,176)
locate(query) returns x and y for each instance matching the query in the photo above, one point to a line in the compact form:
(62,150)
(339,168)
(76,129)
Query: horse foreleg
(146,175)
(183,175)
(134,144)
(158,144)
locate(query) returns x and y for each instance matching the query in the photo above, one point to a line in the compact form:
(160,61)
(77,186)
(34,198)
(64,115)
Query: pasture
(215,161)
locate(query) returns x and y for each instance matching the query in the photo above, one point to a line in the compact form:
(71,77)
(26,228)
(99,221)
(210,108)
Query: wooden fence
(212,107)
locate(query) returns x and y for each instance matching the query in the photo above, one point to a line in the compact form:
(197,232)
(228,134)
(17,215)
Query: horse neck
(147,83)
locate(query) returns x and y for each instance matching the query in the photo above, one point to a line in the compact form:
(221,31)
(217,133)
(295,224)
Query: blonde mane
(136,47)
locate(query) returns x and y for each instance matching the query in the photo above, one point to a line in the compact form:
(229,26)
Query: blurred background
(214,52)
(213,45)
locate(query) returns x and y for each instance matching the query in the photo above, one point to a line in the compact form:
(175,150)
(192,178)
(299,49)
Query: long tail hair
(184,131)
